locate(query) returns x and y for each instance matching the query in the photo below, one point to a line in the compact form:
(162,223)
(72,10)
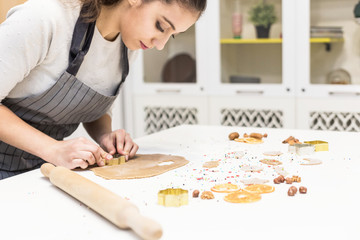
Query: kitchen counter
(32,208)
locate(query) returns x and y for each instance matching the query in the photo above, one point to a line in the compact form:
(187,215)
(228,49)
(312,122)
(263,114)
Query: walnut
(289,180)
(207,195)
(233,135)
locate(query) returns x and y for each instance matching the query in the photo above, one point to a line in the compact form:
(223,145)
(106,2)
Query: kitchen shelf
(275,40)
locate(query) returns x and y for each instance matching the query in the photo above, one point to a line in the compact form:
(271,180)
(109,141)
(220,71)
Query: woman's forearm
(16,132)
(99,127)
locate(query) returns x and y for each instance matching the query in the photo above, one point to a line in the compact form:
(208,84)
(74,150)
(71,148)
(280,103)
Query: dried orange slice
(242,197)
(249,140)
(225,188)
(259,188)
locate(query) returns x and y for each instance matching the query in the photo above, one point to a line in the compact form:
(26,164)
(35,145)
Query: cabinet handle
(345,93)
(168,90)
(249,92)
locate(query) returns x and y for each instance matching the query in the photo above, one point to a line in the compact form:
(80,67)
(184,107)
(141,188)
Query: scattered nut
(281,178)
(296,179)
(246,135)
(207,195)
(196,193)
(294,189)
(256,135)
(303,189)
(291,140)
(288,180)
(277,181)
(233,135)
(265,135)
(291,192)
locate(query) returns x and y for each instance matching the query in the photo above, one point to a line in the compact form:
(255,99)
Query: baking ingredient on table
(271,161)
(291,140)
(233,135)
(259,188)
(302,190)
(242,197)
(272,153)
(249,140)
(196,193)
(311,161)
(207,195)
(211,164)
(141,166)
(117,210)
(225,188)
(173,197)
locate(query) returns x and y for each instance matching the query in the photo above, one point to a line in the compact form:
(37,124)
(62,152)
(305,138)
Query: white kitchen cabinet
(292,66)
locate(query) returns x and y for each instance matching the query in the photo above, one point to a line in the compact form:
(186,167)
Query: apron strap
(80,44)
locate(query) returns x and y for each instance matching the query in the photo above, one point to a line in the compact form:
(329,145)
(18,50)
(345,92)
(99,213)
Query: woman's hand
(78,152)
(120,142)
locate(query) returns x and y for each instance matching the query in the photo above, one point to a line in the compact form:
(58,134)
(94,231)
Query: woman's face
(149,25)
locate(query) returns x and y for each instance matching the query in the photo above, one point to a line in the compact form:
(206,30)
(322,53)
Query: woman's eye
(158,26)
(173,36)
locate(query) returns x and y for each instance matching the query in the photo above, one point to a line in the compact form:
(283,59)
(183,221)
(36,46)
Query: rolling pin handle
(46,169)
(145,227)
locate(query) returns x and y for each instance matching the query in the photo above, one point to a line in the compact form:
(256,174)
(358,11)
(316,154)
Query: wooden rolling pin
(111,206)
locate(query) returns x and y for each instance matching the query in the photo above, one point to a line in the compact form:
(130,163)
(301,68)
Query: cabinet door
(250,64)
(153,113)
(266,112)
(328,49)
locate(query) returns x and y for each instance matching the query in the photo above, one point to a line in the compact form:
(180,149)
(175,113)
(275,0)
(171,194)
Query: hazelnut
(302,189)
(196,193)
(246,135)
(294,189)
(233,135)
(265,135)
(281,178)
(277,180)
(291,192)
(289,180)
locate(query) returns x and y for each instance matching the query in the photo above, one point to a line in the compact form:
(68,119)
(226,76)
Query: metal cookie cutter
(302,148)
(319,145)
(173,197)
(116,160)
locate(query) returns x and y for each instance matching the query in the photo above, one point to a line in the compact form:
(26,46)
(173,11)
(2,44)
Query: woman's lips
(143,46)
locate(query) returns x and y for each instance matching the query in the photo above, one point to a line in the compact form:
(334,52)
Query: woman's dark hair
(91,8)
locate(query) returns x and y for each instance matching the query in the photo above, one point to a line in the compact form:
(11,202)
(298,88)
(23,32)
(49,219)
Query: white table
(32,208)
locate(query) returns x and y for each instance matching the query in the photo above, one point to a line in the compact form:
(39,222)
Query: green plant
(263,14)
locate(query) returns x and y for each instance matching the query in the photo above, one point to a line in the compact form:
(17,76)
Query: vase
(262,32)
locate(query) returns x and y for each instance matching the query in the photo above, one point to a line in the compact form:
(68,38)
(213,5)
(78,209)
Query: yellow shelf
(250,41)
(275,40)
(326,40)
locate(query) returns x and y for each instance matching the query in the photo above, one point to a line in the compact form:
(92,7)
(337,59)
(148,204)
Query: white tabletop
(32,208)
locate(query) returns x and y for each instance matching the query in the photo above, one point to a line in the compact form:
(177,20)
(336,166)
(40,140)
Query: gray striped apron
(58,111)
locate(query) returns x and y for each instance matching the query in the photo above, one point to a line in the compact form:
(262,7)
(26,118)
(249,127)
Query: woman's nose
(160,43)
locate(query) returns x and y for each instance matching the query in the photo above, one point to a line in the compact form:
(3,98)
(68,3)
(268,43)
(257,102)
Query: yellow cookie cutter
(116,160)
(319,145)
(173,197)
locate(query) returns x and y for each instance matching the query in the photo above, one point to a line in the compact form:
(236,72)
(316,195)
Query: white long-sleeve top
(34,50)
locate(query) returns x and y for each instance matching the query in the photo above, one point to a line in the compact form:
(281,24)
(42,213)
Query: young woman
(62,62)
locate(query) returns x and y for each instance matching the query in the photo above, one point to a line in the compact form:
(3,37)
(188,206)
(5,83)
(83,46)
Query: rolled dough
(141,166)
